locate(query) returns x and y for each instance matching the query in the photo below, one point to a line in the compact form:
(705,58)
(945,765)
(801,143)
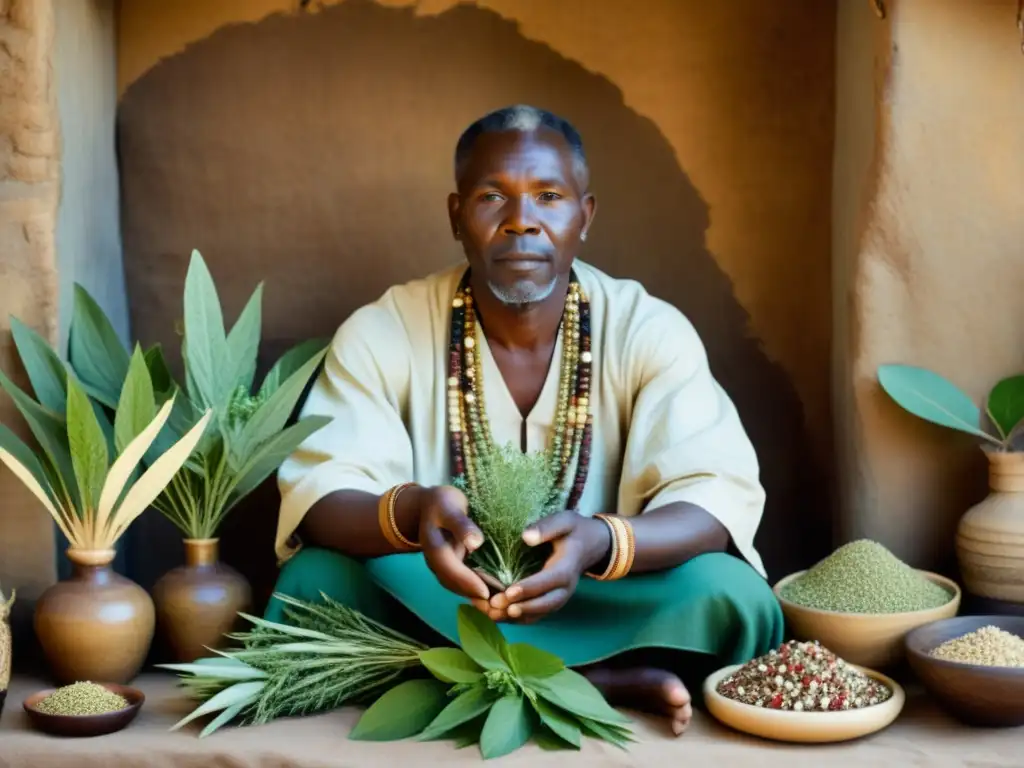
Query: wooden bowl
(85,725)
(973,694)
(873,640)
(803,727)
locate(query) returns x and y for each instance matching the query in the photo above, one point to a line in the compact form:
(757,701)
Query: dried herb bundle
(488,691)
(511,490)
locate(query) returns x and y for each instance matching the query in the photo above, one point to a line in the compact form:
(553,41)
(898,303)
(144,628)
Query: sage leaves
(933,398)
(497,695)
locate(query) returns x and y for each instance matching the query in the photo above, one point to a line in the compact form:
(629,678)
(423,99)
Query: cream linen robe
(663,428)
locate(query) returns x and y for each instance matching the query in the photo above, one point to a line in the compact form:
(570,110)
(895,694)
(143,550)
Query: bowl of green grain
(84,708)
(972,667)
(861,601)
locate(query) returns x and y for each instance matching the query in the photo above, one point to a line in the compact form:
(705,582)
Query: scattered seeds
(82,699)
(802,677)
(864,577)
(988,646)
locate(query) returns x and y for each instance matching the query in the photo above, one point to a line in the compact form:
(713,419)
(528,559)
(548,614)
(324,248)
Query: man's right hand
(447,535)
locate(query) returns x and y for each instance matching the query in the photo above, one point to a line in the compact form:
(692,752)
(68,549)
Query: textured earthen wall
(29,178)
(928,251)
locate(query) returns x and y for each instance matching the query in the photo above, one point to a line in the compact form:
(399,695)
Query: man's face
(519,211)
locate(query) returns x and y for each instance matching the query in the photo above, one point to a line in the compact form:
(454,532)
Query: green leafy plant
(248,437)
(86,474)
(513,490)
(328,655)
(933,398)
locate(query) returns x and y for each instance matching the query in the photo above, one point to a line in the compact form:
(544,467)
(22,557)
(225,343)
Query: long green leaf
(563,726)
(464,708)
(401,712)
(451,665)
(527,661)
(605,732)
(88,446)
(1006,404)
(160,373)
(236,671)
(572,692)
(95,351)
(226,716)
(290,362)
(229,697)
(50,431)
(45,370)
(508,727)
(268,456)
(481,639)
(243,345)
(136,407)
(207,347)
(929,396)
(11,443)
(271,417)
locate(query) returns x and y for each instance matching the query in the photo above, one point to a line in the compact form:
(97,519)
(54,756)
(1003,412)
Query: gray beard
(523,292)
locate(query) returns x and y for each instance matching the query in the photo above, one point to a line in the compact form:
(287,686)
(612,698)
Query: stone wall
(29,179)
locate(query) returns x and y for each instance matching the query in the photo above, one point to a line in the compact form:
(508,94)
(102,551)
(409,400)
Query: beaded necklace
(469,431)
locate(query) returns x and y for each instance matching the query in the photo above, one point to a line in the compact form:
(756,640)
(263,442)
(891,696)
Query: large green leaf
(273,414)
(929,396)
(527,661)
(11,443)
(508,727)
(617,736)
(50,431)
(290,362)
(481,639)
(268,457)
(88,446)
(45,370)
(572,692)
(403,711)
(1006,404)
(207,346)
(94,350)
(565,727)
(465,707)
(244,344)
(136,407)
(451,665)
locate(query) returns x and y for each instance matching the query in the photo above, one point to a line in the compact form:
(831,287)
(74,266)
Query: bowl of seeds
(973,667)
(84,708)
(803,692)
(861,601)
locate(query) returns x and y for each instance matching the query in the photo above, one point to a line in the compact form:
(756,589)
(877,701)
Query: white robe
(664,430)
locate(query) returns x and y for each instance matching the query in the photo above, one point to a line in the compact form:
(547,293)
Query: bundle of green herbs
(511,491)
(248,437)
(486,692)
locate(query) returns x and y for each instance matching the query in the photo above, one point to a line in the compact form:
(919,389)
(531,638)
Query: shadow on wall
(313,151)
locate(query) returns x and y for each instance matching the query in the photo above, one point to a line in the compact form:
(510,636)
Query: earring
(583,235)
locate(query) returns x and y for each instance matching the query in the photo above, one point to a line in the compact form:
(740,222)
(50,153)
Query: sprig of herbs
(512,490)
(487,691)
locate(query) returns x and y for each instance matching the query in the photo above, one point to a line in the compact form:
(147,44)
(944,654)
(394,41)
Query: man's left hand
(577,543)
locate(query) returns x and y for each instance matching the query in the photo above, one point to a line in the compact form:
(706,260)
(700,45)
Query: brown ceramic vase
(198,602)
(96,625)
(990,536)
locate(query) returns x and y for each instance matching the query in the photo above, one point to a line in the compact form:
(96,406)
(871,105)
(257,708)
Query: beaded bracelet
(386,518)
(623,549)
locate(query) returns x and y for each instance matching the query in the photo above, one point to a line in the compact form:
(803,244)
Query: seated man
(653,574)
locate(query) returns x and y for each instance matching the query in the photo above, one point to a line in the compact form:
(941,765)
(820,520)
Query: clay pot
(990,536)
(198,603)
(96,625)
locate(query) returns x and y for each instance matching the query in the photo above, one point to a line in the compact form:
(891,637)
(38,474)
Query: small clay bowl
(873,640)
(973,694)
(85,725)
(803,727)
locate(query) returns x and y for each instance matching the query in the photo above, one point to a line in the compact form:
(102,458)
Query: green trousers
(714,608)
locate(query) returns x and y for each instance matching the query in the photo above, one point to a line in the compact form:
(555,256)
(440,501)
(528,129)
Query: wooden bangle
(387,521)
(623,549)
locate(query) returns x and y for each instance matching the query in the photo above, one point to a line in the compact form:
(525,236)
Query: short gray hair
(520,117)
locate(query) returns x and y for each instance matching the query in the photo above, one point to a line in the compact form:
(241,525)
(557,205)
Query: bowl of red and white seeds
(802,692)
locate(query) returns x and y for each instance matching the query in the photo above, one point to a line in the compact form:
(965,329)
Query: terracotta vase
(96,625)
(198,602)
(990,536)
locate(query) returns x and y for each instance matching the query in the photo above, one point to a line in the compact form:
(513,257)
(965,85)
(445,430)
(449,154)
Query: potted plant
(96,625)
(990,535)
(198,603)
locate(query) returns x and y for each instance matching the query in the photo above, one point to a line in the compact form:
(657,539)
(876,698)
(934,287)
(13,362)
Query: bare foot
(646,689)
